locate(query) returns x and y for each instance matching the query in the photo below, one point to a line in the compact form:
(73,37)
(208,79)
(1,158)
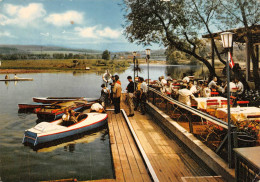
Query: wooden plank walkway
(128,163)
(169,160)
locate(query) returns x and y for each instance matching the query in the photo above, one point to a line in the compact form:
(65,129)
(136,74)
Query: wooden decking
(169,161)
(128,163)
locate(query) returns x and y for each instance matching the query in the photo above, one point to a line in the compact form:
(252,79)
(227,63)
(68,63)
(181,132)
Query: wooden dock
(169,161)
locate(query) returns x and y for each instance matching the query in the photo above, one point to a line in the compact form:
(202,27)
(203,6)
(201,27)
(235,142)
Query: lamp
(148,53)
(227,38)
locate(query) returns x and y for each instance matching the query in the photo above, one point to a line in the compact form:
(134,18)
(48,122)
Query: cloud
(22,15)
(108,32)
(6,34)
(45,34)
(87,32)
(94,32)
(65,19)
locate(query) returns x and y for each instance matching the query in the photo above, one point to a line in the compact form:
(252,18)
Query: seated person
(66,115)
(205,91)
(185,95)
(6,77)
(66,118)
(213,85)
(69,117)
(239,86)
(185,79)
(73,116)
(96,107)
(193,88)
(167,89)
(16,77)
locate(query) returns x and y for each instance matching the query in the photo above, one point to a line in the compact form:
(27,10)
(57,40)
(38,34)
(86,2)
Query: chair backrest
(224,102)
(212,100)
(214,93)
(242,103)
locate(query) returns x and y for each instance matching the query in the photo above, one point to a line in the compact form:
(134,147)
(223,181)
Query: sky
(86,24)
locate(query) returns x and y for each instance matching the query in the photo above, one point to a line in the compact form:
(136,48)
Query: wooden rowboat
(52,113)
(18,79)
(49,131)
(32,106)
(61,99)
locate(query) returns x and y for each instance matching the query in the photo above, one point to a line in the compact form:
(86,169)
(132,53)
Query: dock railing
(213,132)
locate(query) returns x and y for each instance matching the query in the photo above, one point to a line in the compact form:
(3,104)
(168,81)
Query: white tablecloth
(238,113)
(202,101)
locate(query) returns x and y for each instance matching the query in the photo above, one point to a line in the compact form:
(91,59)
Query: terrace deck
(169,161)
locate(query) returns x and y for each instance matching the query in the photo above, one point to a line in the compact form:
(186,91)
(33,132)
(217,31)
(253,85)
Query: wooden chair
(212,105)
(224,103)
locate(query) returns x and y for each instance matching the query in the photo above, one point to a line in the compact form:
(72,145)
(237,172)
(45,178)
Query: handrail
(193,110)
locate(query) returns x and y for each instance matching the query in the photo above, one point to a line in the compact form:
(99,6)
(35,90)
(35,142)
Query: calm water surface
(86,157)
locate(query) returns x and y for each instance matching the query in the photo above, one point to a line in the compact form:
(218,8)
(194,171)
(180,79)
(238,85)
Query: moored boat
(49,131)
(32,106)
(52,113)
(18,79)
(61,99)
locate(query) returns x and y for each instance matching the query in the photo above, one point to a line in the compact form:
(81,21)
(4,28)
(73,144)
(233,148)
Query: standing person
(143,95)
(117,94)
(130,95)
(111,88)
(105,94)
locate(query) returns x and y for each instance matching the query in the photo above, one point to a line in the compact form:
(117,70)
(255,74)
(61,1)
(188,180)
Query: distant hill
(14,49)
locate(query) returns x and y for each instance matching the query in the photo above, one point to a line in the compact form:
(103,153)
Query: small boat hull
(32,106)
(18,79)
(61,99)
(34,136)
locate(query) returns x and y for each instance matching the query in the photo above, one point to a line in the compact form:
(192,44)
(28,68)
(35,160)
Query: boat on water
(50,131)
(61,99)
(18,79)
(33,105)
(52,113)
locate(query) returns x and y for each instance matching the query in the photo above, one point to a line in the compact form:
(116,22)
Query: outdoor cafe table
(202,101)
(238,113)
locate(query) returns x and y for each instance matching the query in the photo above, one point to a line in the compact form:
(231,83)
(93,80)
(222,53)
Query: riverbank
(57,65)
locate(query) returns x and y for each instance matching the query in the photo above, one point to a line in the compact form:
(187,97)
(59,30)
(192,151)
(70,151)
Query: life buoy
(106,77)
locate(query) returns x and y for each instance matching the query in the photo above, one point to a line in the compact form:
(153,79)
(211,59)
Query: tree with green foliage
(179,24)
(106,55)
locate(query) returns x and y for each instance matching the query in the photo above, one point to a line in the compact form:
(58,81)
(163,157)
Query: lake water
(86,157)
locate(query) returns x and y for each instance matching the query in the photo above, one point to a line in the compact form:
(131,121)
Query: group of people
(135,97)
(15,77)
(187,89)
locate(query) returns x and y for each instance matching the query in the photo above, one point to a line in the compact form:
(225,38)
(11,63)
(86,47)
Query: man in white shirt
(185,95)
(96,107)
(239,86)
(185,79)
(143,96)
(193,88)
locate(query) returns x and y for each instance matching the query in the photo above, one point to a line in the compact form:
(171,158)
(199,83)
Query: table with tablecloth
(238,113)
(202,101)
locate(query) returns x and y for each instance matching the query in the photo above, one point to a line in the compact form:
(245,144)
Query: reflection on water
(69,143)
(85,158)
